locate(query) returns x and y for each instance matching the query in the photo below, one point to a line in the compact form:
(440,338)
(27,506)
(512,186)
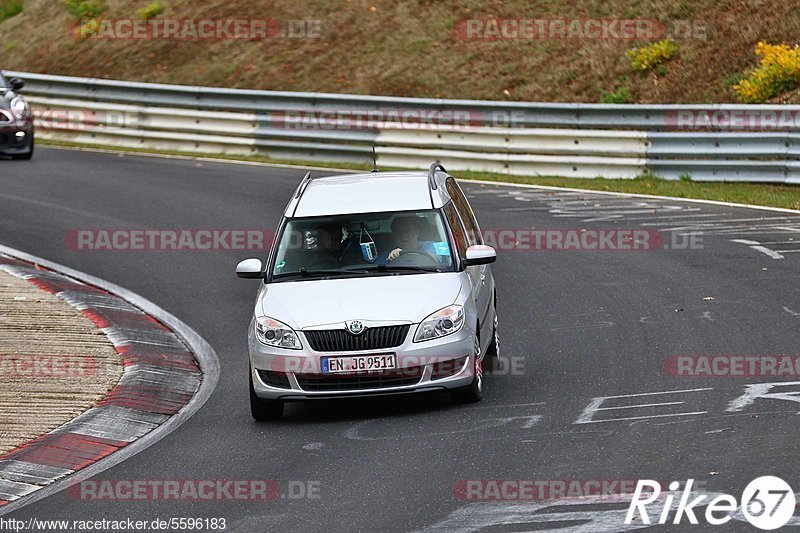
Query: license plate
(358,363)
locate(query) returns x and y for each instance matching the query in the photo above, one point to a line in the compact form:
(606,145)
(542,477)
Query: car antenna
(374,160)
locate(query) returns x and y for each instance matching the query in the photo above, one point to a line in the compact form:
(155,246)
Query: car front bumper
(15,139)
(445,363)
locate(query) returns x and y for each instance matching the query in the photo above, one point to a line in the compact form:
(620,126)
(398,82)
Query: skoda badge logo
(355,327)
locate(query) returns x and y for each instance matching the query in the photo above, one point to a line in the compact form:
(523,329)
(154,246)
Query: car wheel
(26,155)
(474,391)
(261,409)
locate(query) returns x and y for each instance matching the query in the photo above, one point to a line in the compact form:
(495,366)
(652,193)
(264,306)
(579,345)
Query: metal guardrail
(577,140)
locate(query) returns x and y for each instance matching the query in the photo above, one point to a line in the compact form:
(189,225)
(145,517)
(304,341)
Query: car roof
(368,193)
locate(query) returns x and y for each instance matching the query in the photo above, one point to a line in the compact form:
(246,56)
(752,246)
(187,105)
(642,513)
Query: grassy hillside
(416,48)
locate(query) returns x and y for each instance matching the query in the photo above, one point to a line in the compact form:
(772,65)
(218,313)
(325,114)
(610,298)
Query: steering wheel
(427,255)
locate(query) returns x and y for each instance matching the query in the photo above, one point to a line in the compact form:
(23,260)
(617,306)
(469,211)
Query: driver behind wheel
(405,238)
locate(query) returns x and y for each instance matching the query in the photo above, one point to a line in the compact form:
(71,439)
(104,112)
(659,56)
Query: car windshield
(2,82)
(363,244)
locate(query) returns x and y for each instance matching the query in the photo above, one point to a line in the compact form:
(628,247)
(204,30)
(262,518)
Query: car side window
(458,230)
(465,212)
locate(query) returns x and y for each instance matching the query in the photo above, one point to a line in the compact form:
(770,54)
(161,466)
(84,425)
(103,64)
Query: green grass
(772,195)
(85,9)
(9,8)
(620,96)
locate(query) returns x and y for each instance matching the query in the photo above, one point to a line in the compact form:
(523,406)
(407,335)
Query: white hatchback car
(376,283)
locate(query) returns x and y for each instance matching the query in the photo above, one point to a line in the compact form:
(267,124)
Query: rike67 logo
(767,502)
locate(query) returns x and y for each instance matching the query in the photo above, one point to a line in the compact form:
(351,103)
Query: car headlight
(442,322)
(273,333)
(19,107)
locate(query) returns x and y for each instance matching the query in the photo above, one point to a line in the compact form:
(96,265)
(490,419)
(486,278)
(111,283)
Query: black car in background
(16,120)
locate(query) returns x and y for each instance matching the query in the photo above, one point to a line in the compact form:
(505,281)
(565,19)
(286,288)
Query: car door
(481,275)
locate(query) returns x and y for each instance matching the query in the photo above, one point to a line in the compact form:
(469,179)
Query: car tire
(474,391)
(28,154)
(493,351)
(264,410)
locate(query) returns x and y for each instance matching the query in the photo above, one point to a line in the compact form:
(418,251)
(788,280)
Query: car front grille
(348,382)
(340,340)
(5,117)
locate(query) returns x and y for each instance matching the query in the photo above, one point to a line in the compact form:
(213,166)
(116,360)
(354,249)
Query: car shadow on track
(374,407)
(335,410)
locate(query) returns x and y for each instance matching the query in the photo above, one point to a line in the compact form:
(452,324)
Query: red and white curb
(161,379)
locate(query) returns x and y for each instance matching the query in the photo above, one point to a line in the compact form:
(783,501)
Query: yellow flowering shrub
(153,9)
(778,71)
(652,55)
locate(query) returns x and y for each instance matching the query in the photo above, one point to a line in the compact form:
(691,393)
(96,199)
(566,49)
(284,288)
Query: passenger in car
(329,247)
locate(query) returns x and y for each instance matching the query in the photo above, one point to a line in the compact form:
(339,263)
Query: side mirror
(480,254)
(250,269)
(16,84)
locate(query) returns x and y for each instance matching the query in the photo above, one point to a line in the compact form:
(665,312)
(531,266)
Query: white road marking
(612,216)
(729,220)
(754,391)
(508,405)
(736,230)
(643,417)
(594,406)
(659,393)
(354,431)
(637,406)
(764,250)
(706,316)
(753,230)
(524,209)
(532,420)
(601,324)
(586,513)
(755,245)
(659,217)
(781,242)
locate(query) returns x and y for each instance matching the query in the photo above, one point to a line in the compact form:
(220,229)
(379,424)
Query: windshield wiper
(392,268)
(318,273)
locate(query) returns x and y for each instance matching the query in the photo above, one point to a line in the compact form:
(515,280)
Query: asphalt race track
(575,326)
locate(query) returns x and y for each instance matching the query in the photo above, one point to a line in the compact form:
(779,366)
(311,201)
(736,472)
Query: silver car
(376,284)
